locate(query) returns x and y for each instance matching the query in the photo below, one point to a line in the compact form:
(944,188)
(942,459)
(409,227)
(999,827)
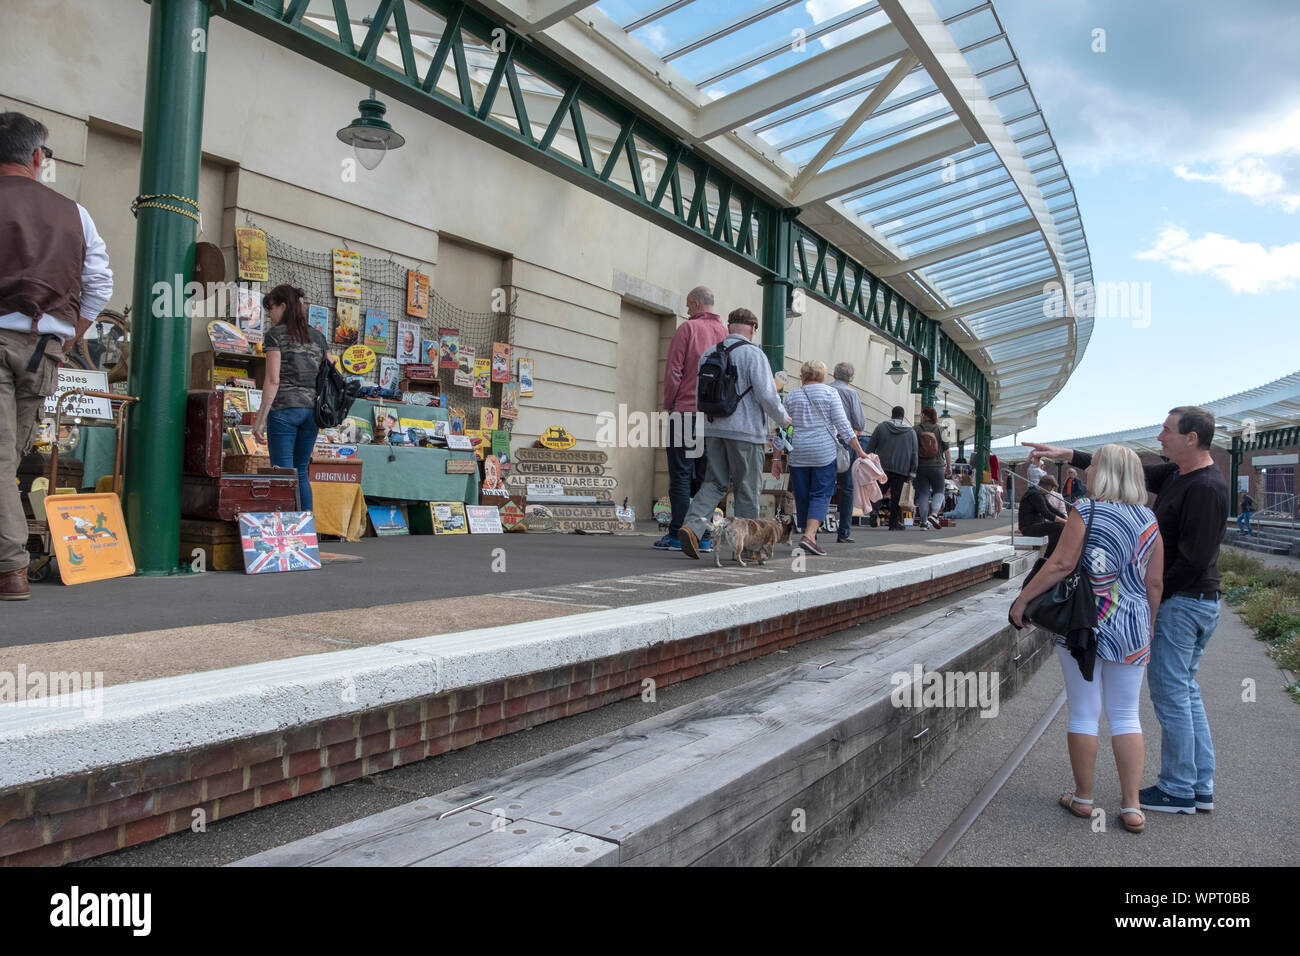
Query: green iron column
(777,255)
(1233,496)
(164,259)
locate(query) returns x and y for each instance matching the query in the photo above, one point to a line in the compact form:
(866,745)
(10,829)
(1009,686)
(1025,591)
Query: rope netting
(384,288)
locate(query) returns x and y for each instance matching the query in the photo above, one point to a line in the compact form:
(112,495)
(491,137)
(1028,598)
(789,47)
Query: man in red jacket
(686,462)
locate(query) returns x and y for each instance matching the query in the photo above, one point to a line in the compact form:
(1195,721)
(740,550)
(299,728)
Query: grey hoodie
(895,442)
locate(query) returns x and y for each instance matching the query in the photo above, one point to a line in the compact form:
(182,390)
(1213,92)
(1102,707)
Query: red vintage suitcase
(226,496)
(203,431)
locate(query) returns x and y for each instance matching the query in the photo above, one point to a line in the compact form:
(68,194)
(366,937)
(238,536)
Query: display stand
(404,473)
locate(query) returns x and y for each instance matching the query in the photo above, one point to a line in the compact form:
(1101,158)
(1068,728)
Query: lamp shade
(370,135)
(896,372)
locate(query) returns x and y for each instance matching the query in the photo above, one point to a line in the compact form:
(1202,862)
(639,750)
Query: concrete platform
(768,773)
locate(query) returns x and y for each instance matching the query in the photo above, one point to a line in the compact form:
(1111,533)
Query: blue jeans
(1244,519)
(844,480)
(812,489)
(685,473)
(291,433)
(1183,628)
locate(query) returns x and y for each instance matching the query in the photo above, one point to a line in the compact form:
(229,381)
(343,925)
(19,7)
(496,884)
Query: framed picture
(387,519)
(408,343)
(525,377)
(376,329)
(279,541)
(417,294)
(449,517)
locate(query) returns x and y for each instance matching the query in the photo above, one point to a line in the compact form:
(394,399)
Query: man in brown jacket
(54,281)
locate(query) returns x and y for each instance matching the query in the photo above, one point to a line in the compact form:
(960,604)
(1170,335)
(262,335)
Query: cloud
(823,10)
(1245,266)
(1262,163)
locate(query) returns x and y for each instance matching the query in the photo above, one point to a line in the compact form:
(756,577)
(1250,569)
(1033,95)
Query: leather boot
(14,586)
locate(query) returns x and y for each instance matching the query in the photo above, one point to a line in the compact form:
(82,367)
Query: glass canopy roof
(910,121)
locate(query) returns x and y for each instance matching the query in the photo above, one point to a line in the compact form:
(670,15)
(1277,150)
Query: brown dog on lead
(758,535)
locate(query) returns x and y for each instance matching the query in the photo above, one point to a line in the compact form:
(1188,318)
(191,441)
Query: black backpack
(716,394)
(334,395)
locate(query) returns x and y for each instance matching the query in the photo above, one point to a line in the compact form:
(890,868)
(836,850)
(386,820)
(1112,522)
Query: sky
(1182,140)
(1180,128)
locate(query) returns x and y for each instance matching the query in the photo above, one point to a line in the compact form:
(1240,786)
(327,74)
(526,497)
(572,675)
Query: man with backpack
(686,466)
(737,395)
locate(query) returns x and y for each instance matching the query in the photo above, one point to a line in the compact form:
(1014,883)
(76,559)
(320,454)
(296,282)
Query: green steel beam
(164,254)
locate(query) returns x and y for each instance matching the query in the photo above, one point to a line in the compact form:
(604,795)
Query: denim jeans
(291,433)
(844,480)
(685,473)
(812,488)
(1183,628)
(1243,522)
(929,484)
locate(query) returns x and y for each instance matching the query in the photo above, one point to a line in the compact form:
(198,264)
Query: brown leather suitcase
(224,497)
(203,431)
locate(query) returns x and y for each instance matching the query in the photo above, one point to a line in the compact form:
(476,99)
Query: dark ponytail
(295,312)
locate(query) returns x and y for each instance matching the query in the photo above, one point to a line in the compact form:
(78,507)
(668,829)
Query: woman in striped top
(1124,563)
(818,417)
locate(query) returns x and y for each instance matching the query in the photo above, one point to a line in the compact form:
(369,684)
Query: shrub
(1287,653)
(1236,561)
(1261,604)
(1236,595)
(1278,624)
(1270,578)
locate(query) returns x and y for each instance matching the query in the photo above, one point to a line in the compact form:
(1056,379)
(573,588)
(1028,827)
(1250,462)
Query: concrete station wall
(598,289)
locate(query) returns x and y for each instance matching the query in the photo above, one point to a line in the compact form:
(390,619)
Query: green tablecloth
(414,474)
(95,450)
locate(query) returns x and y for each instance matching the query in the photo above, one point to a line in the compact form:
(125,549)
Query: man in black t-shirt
(1191,508)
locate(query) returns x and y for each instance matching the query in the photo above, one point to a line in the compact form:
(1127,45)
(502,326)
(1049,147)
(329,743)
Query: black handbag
(334,396)
(1070,610)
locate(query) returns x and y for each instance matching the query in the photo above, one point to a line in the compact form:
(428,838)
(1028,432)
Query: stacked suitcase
(212,498)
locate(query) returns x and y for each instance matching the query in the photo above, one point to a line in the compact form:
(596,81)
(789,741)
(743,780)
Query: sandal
(1142,824)
(1068,800)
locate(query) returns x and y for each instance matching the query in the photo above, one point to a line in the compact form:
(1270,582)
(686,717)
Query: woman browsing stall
(287,418)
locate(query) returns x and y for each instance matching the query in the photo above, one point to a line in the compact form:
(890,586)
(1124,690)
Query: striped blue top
(814,446)
(1118,550)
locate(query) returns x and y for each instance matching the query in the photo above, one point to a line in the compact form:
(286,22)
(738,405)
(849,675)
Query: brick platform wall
(100,811)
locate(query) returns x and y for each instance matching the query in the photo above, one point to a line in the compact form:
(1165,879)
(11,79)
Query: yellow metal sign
(557,436)
(88,537)
(358,359)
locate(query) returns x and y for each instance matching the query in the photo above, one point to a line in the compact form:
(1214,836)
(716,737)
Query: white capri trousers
(1116,686)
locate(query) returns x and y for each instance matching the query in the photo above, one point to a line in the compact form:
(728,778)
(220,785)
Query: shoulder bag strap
(1092,510)
(835,438)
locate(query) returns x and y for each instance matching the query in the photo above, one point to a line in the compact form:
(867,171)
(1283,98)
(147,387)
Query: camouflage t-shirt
(298,367)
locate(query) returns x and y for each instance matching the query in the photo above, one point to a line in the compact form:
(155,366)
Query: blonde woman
(1125,564)
(818,416)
